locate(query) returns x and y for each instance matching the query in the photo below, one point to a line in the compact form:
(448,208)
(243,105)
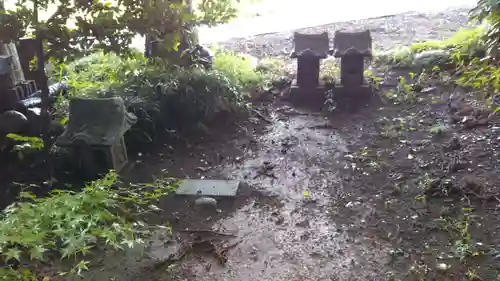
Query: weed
(472,275)
(239,69)
(329,71)
(373,80)
(438,129)
(368,158)
(403,93)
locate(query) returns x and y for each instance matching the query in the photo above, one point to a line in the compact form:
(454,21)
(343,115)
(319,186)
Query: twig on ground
(261,116)
(208,231)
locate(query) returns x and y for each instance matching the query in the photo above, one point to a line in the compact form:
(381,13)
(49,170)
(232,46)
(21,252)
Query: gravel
(388,32)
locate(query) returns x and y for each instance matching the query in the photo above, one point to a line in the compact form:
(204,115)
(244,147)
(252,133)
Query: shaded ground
(382,194)
(395,192)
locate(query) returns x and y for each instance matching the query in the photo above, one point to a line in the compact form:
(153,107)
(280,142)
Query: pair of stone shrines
(309,49)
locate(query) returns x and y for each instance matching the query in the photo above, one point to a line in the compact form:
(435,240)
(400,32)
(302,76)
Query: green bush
(489,11)
(465,41)
(240,69)
(163,96)
(67,225)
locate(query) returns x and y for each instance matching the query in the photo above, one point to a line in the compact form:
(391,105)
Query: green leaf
(13,253)
(36,253)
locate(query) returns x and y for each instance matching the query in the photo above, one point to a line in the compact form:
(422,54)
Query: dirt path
(298,240)
(295,164)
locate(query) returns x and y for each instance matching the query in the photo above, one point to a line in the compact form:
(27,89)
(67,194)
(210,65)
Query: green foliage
(163,96)
(465,41)
(240,69)
(403,93)
(480,75)
(68,225)
(9,274)
(329,72)
(26,145)
(80,26)
(489,11)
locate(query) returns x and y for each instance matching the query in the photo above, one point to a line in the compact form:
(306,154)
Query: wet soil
(401,190)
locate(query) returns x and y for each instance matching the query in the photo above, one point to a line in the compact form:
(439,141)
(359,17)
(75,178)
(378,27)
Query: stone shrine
(95,132)
(352,48)
(309,49)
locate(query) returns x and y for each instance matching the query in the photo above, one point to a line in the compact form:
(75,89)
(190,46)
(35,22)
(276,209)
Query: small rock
(202,169)
(453,144)
(304,223)
(12,122)
(280,220)
(443,266)
(206,202)
(428,90)
(431,57)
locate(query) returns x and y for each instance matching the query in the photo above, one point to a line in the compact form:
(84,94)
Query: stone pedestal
(301,95)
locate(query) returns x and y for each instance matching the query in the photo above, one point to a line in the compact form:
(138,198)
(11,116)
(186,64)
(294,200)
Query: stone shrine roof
(312,45)
(96,121)
(356,42)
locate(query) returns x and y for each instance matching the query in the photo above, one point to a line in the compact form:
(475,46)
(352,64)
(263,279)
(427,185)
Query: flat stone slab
(221,188)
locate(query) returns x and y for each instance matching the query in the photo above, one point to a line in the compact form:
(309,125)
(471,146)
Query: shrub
(68,225)
(240,69)
(465,41)
(163,96)
(489,12)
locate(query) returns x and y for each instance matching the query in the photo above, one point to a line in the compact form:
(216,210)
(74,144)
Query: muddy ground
(404,189)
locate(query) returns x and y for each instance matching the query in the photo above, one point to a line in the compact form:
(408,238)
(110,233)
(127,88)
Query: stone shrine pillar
(352,48)
(310,49)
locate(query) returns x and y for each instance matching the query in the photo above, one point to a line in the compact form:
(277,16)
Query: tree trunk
(44,87)
(188,38)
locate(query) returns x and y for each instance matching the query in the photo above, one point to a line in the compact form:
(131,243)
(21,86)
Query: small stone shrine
(352,48)
(309,49)
(95,132)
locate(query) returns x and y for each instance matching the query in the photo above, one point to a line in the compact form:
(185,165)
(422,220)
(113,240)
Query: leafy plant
(239,69)
(68,224)
(403,93)
(489,11)
(329,72)
(26,145)
(480,75)
(80,26)
(163,96)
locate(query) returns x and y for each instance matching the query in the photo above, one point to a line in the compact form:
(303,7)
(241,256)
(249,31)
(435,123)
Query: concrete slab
(220,188)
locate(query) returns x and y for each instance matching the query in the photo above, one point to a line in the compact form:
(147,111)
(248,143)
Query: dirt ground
(393,192)
(403,190)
